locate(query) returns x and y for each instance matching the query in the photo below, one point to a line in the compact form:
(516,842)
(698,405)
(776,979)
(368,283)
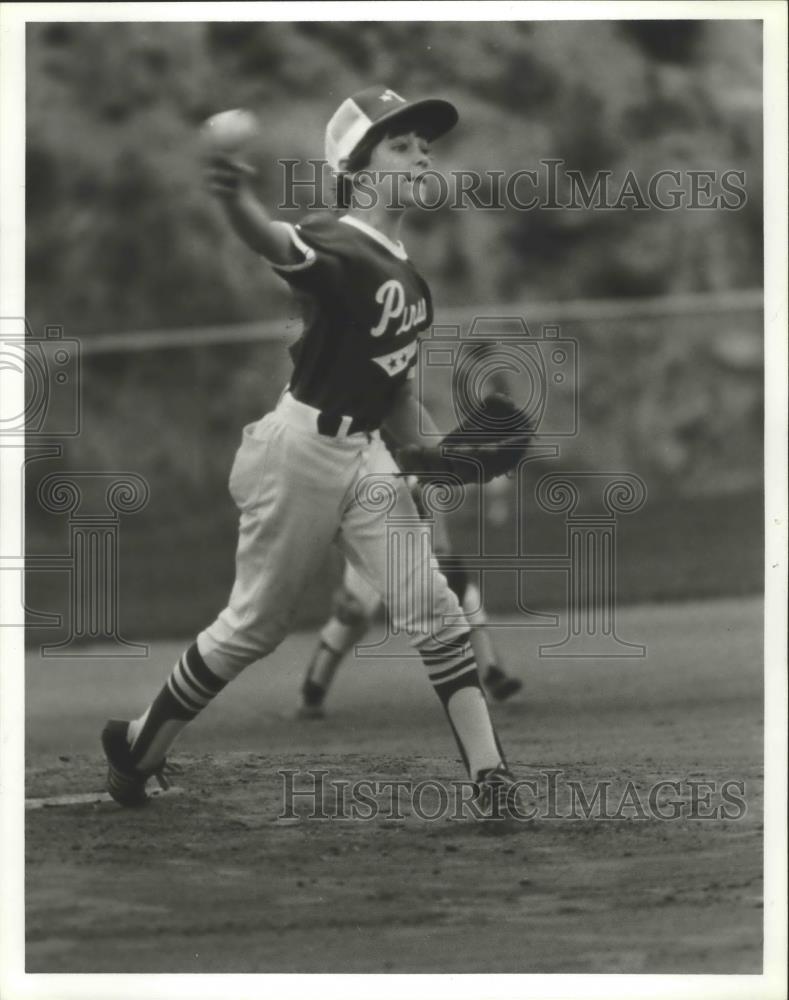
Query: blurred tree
(666,41)
(120,233)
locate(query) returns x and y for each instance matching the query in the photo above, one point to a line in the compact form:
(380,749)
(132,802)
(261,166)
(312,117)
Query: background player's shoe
(125,783)
(311,706)
(500,686)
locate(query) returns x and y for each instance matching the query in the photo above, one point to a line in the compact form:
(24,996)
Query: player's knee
(232,654)
(235,640)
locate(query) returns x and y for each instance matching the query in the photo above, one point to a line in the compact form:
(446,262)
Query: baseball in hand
(229,131)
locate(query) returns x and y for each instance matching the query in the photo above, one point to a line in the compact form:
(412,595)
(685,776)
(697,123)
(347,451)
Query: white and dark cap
(360,115)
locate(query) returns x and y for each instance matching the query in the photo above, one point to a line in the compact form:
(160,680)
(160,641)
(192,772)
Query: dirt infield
(209,880)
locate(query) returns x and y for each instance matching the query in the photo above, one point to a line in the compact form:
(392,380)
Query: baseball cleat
(125,783)
(500,686)
(497,798)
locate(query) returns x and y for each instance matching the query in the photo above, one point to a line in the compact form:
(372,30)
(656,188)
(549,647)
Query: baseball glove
(476,451)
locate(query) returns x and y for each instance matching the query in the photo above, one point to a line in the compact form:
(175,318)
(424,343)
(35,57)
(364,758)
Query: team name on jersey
(391,297)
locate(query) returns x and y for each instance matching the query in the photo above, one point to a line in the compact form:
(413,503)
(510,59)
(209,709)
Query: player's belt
(328,424)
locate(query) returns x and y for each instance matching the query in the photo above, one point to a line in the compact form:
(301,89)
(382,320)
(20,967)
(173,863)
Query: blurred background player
(355,605)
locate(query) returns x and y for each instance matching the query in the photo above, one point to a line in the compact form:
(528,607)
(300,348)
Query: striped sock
(453,672)
(189,688)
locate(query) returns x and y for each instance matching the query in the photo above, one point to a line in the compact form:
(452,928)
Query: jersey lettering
(414,313)
(364,306)
(391,296)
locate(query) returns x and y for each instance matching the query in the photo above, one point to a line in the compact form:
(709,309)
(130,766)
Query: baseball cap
(357,116)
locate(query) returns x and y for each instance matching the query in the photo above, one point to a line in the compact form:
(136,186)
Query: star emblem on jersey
(396,361)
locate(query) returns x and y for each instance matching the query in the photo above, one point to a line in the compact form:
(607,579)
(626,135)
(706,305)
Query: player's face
(407,156)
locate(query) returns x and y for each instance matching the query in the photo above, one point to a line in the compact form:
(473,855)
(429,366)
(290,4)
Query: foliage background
(121,236)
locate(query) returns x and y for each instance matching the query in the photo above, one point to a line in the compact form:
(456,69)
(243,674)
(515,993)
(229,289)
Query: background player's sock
(320,673)
(453,672)
(189,688)
(484,652)
(339,636)
(337,639)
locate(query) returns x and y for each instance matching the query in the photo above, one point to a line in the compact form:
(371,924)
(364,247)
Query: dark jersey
(364,305)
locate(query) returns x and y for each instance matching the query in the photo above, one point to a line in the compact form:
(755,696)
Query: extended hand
(226,175)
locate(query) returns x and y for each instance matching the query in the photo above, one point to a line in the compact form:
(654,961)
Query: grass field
(209,880)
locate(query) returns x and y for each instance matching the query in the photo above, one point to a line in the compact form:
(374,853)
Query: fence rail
(574,310)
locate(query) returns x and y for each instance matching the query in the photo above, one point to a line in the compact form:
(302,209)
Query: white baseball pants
(298,491)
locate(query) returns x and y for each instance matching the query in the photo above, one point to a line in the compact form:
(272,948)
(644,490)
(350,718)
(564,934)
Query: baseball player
(315,470)
(355,604)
